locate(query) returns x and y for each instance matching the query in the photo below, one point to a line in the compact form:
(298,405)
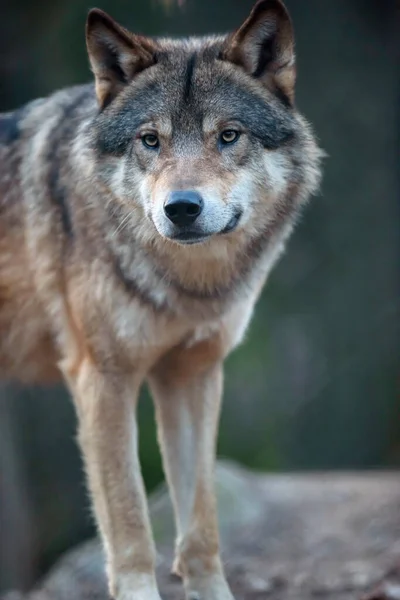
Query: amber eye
(229,136)
(150,140)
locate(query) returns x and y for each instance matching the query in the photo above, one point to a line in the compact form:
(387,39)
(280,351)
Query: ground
(284,537)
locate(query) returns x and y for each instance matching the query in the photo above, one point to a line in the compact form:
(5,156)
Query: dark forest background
(316,386)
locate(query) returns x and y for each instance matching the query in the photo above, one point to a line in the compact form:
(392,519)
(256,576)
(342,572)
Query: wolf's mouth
(233,222)
(193,237)
(190,237)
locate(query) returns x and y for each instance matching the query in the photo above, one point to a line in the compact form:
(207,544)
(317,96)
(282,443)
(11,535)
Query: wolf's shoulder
(62,104)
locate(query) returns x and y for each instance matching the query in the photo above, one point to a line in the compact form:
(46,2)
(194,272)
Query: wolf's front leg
(187,388)
(108,438)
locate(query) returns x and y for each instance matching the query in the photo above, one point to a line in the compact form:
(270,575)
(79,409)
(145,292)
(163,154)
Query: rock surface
(284,537)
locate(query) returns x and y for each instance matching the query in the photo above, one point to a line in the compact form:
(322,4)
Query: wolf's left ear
(115,54)
(264,47)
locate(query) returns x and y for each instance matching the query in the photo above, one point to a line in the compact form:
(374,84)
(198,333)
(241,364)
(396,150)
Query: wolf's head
(202,133)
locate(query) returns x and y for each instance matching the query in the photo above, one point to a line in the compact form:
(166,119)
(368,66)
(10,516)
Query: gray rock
(284,537)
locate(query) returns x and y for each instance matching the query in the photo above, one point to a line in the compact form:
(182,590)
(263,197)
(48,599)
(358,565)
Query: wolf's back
(35,189)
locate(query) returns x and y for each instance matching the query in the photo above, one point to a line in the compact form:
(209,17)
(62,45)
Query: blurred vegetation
(316,384)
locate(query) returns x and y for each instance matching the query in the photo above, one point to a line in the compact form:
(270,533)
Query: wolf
(139,218)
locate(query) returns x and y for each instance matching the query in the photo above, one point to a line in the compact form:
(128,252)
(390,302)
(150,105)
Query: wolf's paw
(136,587)
(208,588)
(141,594)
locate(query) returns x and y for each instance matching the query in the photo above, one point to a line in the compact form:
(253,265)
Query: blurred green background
(315,386)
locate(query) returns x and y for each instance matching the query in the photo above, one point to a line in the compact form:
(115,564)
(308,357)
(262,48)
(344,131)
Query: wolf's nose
(183,207)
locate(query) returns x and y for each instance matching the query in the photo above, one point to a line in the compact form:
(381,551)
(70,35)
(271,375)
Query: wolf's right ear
(115,54)
(264,47)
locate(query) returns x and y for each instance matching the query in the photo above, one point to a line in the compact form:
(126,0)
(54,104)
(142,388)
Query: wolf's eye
(229,136)
(150,140)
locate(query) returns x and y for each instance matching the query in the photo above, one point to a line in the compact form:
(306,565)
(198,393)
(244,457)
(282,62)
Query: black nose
(183,207)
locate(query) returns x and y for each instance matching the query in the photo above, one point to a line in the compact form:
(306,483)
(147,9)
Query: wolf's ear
(115,54)
(264,47)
